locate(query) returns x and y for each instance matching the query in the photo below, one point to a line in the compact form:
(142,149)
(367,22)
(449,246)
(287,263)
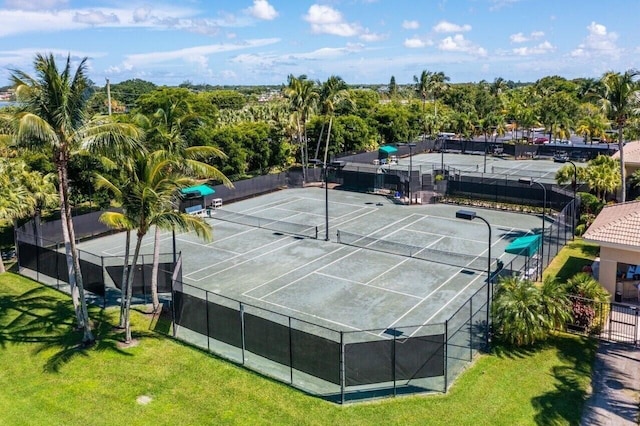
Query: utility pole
(108,96)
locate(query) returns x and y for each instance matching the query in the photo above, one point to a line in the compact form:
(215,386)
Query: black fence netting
(271,224)
(337,365)
(467,261)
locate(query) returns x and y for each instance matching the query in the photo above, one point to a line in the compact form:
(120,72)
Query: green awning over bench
(387,150)
(203,190)
(524,246)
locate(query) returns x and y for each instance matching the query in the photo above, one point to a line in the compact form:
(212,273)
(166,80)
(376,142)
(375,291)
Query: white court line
(245,261)
(246,293)
(437,289)
(306,275)
(234,257)
(261,208)
(308,314)
(337,202)
(401,293)
(208,246)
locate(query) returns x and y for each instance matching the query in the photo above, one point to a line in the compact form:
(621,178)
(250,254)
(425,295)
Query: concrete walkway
(616,387)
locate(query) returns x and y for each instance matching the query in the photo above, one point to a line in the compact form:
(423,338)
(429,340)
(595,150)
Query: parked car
(560,158)
(539,141)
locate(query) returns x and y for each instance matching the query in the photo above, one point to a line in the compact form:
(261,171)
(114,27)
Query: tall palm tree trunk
(67,246)
(319,140)
(154,271)
(326,146)
(125,278)
(79,288)
(623,173)
(127,310)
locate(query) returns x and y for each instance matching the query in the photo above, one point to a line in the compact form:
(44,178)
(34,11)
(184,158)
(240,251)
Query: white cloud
(499,4)
(372,37)
(141,14)
(416,43)
(410,25)
(326,20)
(35,4)
(542,48)
(261,9)
(521,38)
(518,38)
(458,43)
(95,17)
(448,27)
(599,42)
(191,54)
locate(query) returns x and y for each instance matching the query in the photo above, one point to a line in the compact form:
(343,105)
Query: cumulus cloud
(599,42)
(544,47)
(521,38)
(95,17)
(372,37)
(458,43)
(410,25)
(327,20)
(448,27)
(416,43)
(261,9)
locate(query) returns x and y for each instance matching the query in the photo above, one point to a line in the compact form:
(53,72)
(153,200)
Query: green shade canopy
(524,246)
(387,150)
(203,190)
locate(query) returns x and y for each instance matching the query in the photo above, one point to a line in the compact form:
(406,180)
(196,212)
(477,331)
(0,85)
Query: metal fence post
(242,330)
(393,361)
(471,328)
(206,314)
(290,353)
(446,354)
(342,368)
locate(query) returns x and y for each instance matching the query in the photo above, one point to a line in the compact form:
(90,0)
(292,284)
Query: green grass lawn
(571,259)
(46,379)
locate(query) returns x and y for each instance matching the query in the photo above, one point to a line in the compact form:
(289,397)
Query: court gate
(608,321)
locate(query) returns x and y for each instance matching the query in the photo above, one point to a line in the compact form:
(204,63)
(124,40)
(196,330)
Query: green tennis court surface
(341,286)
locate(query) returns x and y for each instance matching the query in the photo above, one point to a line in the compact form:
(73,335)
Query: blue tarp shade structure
(387,150)
(200,190)
(524,246)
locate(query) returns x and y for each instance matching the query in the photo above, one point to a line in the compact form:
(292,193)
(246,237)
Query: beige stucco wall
(609,258)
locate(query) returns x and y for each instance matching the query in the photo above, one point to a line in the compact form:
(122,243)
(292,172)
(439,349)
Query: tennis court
(355,284)
(498,167)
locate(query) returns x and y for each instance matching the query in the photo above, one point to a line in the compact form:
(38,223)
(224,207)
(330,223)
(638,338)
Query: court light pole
(471,215)
(530,182)
(574,186)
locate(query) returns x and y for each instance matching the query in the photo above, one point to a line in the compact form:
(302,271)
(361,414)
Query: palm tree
(148,198)
(556,305)
(620,101)
(422,89)
(167,135)
(601,175)
(333,94)
(302,101)
(517,312)
(54,103)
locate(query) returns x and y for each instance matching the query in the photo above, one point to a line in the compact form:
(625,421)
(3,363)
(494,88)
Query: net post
(338,235)
(316,229)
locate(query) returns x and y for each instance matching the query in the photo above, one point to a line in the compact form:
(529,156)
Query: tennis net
(466,261)
(271,224)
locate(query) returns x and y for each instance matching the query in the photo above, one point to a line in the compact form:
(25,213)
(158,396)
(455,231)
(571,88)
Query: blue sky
(363,41)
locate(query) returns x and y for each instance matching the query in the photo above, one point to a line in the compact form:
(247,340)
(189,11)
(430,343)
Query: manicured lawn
(571,259)
(46,379)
